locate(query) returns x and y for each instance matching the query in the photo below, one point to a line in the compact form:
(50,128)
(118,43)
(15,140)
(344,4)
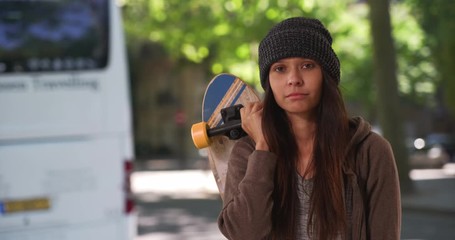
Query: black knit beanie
(298,37)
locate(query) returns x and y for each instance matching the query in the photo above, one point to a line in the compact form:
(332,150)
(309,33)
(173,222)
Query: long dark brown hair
(327,214)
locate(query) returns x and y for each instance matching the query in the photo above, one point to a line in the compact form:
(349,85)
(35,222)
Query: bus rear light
(129,205)
(129,202)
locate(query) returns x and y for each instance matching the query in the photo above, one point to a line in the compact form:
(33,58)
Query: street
(179,219)
(169,210)
(428,225)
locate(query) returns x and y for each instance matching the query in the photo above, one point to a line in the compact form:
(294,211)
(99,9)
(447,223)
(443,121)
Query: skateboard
(221,124)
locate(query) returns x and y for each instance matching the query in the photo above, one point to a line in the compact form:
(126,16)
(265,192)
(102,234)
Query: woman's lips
(297,95)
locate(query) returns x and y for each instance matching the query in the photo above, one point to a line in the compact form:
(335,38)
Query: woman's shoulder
(376,141)
(363,135)
(370,148)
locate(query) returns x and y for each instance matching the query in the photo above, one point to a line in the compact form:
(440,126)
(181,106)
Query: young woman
(307,170)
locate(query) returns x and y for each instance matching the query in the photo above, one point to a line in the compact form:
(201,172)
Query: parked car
(443,140)
(433,151)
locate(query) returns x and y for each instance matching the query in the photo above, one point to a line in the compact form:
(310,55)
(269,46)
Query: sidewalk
(183,204)
(434,190)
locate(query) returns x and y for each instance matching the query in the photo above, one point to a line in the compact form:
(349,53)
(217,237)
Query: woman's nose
(295,79)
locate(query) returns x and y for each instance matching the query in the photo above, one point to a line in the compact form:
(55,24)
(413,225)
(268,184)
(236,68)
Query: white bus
(65,122)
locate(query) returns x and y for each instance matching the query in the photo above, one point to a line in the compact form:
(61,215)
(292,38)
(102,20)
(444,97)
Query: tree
(436,19)
(223,35)
(385,76)
(226,33)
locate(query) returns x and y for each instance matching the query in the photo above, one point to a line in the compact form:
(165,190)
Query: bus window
(53,35)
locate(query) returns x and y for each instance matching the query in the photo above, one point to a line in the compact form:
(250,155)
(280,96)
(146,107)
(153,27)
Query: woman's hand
(251,115)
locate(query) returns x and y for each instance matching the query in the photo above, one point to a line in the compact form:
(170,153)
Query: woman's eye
(308,65)
(278,69)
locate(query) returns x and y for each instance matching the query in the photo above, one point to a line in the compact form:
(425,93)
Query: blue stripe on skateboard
(238,94)
(216,92)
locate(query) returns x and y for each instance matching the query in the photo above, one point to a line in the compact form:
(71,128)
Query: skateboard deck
(221,125)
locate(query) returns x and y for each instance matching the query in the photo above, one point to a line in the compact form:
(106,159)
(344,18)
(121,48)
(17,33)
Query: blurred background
(175,48)
(397,67)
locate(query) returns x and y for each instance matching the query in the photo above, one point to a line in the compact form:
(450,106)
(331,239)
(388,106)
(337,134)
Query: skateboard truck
(231,127)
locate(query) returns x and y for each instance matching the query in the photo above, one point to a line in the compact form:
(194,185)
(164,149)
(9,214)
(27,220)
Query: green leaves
(436,19)
(224,35)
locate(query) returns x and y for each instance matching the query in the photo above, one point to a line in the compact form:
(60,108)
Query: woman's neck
(304,131)
(304,128)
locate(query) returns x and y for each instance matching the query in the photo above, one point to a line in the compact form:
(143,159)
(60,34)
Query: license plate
(24,205)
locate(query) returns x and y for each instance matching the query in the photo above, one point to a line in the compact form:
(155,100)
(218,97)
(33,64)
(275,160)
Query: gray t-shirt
(304,188)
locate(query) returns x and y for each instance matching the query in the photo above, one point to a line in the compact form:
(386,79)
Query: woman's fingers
(251,115)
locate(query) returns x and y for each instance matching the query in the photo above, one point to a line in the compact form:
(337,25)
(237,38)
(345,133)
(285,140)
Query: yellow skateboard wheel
(199,135)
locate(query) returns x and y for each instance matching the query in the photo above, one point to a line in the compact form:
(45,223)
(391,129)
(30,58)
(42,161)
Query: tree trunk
(387,88)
